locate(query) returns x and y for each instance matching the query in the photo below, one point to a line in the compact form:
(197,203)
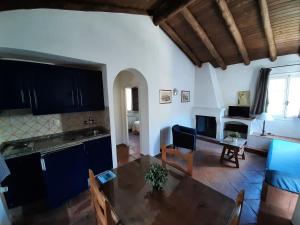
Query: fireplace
(235,126)
(206,126)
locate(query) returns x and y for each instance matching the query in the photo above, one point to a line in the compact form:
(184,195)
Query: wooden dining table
(183,200)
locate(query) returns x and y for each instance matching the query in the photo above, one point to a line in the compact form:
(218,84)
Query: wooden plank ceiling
(221,32)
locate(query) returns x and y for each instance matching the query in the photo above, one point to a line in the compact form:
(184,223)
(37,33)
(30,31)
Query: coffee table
(232,150)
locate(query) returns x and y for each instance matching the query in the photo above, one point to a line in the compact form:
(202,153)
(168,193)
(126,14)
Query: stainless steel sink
(18,148)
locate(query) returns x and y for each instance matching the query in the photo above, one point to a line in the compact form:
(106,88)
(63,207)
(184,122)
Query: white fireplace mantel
(218,113)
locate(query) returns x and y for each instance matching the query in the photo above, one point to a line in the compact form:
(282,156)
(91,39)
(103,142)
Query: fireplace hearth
(206,126)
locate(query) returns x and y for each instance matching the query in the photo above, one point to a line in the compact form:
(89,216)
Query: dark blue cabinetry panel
(13,88)
(53,90)
(49,89)
(25,184)
(90,90)
(99,155)
(62,174)
(65,174)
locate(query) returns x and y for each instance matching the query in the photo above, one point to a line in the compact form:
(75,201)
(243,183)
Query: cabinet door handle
(77,96)
(22,96)
(35,99)
(43,164)
(73,99)
(81,98)
(30,101)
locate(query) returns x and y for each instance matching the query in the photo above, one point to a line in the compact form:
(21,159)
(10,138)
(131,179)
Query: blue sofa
(184,137)
(283,165)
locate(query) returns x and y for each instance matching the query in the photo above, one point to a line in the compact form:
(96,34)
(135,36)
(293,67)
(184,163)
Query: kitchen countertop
(50,143)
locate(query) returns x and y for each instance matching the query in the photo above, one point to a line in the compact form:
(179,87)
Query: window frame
(287,76)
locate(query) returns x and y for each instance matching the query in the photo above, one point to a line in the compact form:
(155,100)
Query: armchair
(184,137)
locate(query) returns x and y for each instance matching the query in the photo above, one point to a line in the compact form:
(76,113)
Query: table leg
(223,153)
(236,156)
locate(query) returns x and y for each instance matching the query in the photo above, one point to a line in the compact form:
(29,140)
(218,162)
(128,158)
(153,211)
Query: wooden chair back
(187,157)
(235,219)
(104,213)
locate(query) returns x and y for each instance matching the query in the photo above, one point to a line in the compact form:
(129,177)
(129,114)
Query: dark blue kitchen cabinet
(13,89)
(53,90)
(48,89)
(25,183)
(90,90)
(99,155)
(65,174)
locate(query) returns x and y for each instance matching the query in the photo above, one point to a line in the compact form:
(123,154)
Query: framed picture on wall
(244,98)
(185,96)
(165,96)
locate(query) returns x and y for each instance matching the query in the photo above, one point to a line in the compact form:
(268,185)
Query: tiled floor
(207,169)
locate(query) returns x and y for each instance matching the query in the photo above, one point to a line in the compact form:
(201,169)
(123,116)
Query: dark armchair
(184,137)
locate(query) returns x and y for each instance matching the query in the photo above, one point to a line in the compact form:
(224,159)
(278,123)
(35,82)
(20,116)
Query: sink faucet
(90,120)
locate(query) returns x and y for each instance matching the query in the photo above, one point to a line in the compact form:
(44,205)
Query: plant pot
(157,187)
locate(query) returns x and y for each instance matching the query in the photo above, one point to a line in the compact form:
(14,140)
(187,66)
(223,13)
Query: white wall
(119,41)
(207,89)
(240,77)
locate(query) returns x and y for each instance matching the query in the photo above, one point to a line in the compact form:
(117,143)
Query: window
(284,95)
(128,95)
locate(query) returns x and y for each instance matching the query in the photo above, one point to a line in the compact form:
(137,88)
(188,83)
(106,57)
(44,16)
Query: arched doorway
(128,120)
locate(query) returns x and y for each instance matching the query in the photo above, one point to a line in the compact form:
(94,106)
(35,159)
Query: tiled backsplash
(20,124)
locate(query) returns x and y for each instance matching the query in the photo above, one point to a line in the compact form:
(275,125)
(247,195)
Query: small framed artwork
(244,98)
(165,96)
(185,96)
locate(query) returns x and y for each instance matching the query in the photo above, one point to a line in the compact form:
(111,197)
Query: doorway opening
(133,121)
(131,115)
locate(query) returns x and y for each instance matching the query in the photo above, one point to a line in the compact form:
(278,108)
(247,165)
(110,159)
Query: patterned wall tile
(20,124)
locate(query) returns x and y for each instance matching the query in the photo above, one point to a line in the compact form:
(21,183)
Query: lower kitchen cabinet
(56,176)
(99,156)
(65,174)
(25,184)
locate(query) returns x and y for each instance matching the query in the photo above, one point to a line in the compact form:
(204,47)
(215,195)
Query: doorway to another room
(133,121)
(131,115)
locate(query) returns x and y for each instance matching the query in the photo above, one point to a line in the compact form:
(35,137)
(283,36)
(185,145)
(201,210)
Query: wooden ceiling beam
(68,5)
(168,9)
(264,12)
(203,36)
(234,30)
(174,36)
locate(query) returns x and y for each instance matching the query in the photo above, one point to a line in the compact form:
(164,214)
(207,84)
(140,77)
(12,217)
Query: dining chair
(235,219)
(187,157)
(104,212)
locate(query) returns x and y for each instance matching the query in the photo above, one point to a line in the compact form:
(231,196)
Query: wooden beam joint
(228,17)
(168,9)
(192,21)
(264,12)
(174,36)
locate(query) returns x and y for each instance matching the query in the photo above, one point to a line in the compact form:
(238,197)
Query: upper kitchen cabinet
(90,90)
(13,89)
(53,90)
(49,89)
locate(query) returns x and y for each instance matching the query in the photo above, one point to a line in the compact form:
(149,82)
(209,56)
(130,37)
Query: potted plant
(235,136)
(157,176)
